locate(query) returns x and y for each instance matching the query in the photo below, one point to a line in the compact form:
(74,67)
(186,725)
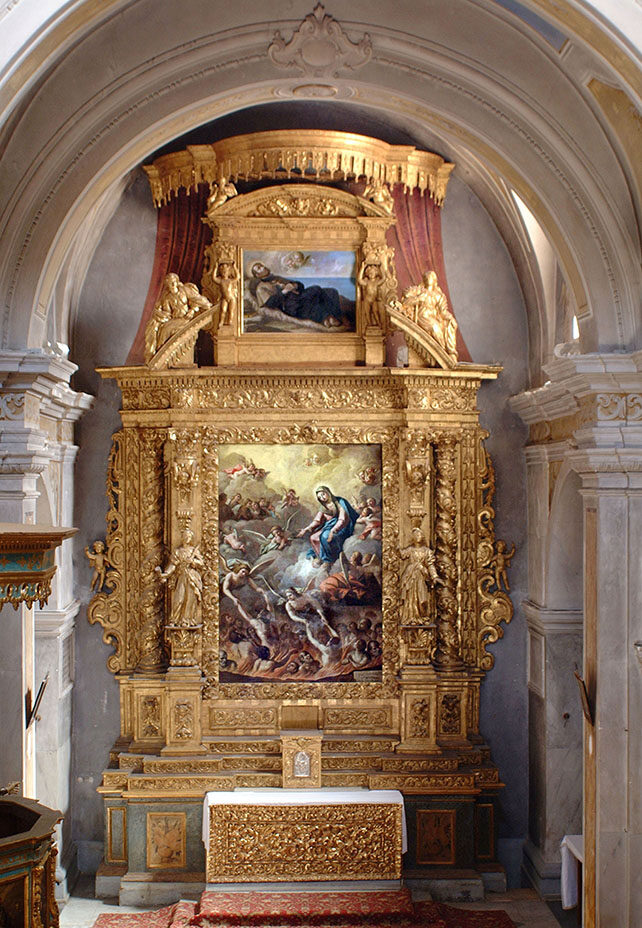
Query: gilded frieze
(425,783)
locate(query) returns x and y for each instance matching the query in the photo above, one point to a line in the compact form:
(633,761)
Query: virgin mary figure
(331,527)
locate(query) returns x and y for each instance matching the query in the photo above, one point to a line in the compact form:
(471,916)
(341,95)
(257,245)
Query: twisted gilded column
(447,654)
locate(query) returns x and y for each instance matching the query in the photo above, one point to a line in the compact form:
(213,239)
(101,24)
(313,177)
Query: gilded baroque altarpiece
(300,537)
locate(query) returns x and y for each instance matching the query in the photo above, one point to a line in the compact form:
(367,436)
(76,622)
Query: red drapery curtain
(181,239)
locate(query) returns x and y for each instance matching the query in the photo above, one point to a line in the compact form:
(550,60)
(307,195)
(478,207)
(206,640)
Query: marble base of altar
(312,835)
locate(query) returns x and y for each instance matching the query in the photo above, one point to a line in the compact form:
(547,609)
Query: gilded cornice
(295,154)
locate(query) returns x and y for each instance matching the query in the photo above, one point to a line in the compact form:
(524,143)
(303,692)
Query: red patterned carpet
(308,910)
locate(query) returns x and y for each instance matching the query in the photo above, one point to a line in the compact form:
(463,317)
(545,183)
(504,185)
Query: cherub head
(99,547)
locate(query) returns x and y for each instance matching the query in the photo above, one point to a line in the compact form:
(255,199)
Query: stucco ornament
(320,47)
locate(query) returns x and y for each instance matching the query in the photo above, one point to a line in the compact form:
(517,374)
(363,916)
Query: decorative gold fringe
(311,154)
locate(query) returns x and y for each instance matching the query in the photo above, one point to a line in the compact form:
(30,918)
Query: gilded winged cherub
(370,280)
(419,572)
(220,193)
(379,193)
(100,562)
(177,304)
(183,576)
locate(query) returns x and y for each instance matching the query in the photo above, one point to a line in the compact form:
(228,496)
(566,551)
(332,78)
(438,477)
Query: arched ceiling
(106,84)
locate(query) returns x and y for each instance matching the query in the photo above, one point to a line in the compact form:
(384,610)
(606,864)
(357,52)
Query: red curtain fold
(181,239)
(416,239)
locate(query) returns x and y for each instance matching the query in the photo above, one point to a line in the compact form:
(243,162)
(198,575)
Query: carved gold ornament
(308,842)
(170,334)
(424,316)
(444,578)
(287,154)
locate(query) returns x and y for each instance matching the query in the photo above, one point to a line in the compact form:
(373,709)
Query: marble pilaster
(38,410)
(594,403)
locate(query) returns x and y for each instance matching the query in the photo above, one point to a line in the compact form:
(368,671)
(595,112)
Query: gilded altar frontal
(300,536)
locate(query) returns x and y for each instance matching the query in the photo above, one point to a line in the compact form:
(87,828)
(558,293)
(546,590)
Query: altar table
(254,835)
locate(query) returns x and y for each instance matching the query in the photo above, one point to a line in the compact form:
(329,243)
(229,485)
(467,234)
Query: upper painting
(287,290)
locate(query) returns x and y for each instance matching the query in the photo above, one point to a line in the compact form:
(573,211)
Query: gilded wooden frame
(388,440)
(291,217)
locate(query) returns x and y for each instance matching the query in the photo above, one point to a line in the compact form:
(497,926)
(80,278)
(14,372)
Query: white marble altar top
(299,797)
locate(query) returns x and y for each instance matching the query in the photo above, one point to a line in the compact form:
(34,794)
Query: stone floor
(523,906)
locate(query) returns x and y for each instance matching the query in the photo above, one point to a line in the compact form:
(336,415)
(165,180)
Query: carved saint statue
(301,764)
(183,577)
(418,573)
(176,305)
(427,306)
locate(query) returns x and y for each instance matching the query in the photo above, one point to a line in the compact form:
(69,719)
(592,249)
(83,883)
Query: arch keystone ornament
(320,47)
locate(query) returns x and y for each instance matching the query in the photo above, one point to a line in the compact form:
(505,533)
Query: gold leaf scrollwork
(107,609)
(448,640)
(492,560)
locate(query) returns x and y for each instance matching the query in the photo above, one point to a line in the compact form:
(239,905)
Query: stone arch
(107,129)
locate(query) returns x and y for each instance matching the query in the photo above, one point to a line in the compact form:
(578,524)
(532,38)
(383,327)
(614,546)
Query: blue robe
(330,550)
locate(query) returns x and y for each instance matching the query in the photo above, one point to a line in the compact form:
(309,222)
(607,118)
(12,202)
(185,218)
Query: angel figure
(227,280)
(233,540)
(379,194)
(100,562)
(177,304)
(237,576)
(500,562)
(370,280)
(184,580)
(418,573)
(220,193)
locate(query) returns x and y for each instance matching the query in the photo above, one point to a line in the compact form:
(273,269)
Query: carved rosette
(447,655)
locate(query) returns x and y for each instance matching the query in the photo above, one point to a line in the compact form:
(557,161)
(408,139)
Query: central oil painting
(300,563)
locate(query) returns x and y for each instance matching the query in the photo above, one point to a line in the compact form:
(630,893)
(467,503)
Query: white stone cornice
(55,623)
(608,468)
(613,381)
(547,621)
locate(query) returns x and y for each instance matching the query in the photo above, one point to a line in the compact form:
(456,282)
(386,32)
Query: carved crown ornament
(315,155)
